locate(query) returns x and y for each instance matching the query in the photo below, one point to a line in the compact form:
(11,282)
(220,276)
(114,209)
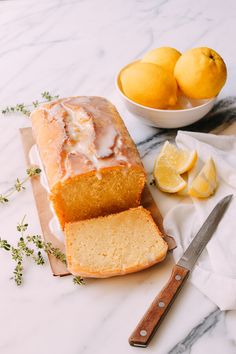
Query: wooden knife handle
(151,320)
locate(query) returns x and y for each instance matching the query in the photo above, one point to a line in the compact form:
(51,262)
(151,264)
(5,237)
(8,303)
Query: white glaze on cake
(36,160)
(54,225)
(90,139)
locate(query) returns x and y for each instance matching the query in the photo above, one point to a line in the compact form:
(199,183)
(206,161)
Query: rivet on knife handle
(148,325)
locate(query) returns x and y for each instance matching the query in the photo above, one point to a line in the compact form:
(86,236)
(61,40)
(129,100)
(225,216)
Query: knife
(151,320)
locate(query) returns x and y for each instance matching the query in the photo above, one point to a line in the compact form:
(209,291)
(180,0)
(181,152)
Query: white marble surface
(75,48)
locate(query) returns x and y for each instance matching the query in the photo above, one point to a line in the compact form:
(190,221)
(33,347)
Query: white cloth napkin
(215,272)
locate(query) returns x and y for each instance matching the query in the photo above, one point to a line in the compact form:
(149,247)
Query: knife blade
(151,320)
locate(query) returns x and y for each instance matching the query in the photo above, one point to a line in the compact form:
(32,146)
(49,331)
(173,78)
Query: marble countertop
(71,47)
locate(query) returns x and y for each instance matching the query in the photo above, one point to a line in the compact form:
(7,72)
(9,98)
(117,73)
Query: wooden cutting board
(45,212)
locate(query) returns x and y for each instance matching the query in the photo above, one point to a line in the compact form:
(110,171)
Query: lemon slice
(184,192)
(180,160)
(166,177)
(205,183)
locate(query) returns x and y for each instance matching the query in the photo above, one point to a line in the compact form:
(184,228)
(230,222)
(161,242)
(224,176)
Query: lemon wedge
(180,160)
(184,192)
(205,183)
(166,177)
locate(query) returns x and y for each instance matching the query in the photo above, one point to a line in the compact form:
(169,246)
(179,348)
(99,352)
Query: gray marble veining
(76,47)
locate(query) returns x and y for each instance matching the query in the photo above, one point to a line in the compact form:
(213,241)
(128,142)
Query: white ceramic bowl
(188,112)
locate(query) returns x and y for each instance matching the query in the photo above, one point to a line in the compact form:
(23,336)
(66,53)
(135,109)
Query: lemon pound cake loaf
(92,165)
(116,244)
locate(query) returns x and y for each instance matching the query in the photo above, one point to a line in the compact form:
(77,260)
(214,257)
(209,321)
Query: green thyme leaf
(20,184)
(5,245)
(78,280)
(31,246)
(3,199)
(48,96)
(18,273)
(24,109)
(33,171)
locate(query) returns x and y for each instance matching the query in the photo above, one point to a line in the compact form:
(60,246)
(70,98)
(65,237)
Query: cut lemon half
(180,160)
(166,177)
(205,183)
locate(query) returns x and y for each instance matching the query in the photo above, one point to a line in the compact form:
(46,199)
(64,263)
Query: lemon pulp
(205,183)
(166,177)
(180,160)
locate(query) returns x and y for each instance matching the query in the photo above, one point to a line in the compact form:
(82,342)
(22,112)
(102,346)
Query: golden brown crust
(56,191)
(77,269)
(50,131)
(87,274)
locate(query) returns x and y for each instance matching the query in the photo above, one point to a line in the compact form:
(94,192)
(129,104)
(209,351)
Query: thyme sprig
(47,247)
(31,246)
(25,109)
(18,108)
(19,184)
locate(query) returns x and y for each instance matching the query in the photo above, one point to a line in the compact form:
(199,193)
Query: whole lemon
(149,85)
(200,73)
(166,57)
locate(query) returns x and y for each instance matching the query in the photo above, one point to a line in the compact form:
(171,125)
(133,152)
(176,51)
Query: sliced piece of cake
(112,245)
